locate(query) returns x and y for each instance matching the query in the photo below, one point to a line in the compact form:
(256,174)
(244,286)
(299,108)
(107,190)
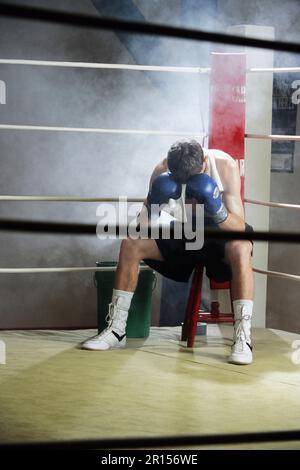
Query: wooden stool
(192,312)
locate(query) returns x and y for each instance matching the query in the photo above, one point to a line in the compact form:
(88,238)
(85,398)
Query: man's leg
(238,256)
(131,253)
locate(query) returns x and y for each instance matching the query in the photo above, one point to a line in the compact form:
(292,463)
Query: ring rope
(135,67)
(273,137)
(122,199)
(113,268)
(61,270)
(90,229)
(141,27)
(274,69)
(70,199)
(97,130)
(135,131)
(293,277)
(97,65)
(269,204)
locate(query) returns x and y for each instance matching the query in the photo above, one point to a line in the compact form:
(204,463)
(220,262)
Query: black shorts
(179,263)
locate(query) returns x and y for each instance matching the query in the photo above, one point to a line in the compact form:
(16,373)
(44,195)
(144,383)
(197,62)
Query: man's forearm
(143,217)
(233,222)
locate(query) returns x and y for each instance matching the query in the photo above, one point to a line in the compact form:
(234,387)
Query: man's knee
(238,251)
(130,248)
(140,249)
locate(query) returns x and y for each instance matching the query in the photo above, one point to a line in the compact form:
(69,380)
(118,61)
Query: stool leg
(194,314)
(192,310)
(188,311)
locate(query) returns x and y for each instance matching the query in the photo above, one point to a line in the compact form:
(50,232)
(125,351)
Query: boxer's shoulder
(164,164)
(219,155)
(161,167)
(224,161)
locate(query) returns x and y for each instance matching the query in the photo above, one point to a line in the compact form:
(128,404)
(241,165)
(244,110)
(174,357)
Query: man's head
(185,158)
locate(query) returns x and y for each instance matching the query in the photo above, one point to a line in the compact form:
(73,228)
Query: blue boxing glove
(163,188)
(205,190)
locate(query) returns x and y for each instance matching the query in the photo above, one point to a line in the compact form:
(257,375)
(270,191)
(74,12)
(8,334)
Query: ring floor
(51,390)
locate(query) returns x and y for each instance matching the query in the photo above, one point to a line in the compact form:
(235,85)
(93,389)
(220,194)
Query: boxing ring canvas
(53,391)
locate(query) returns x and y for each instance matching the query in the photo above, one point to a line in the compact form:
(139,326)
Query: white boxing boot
(114,335)
(241,351)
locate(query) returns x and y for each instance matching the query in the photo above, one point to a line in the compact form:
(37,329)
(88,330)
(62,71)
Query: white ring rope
(292,277)
(135,131)
(274,69)
(113,268)
(71,199)
(95,65)
(60,270)
(270,204)
(145,68)
(272,137)
(194,70)
(97,131)
(122,199)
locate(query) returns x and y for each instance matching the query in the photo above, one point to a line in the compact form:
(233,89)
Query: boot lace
(110,316)
(241,333)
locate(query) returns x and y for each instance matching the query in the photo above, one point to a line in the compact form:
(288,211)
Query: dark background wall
(283,297)
(72,164)
(85,165)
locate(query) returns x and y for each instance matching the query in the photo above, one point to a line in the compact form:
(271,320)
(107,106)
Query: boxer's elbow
(233,222)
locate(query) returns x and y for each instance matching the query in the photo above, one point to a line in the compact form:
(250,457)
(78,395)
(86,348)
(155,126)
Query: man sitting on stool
(211,178)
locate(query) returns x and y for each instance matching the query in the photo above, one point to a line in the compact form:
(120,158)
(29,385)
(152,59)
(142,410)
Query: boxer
(211,178)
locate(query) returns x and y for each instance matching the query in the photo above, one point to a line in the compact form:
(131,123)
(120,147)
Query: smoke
(107,165)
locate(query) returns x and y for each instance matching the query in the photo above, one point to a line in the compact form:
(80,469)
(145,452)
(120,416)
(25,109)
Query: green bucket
(139,317)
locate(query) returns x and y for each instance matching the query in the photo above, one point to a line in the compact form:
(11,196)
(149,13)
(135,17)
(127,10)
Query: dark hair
(185,158)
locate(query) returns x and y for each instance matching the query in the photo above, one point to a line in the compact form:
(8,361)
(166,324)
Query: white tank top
(212,170)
